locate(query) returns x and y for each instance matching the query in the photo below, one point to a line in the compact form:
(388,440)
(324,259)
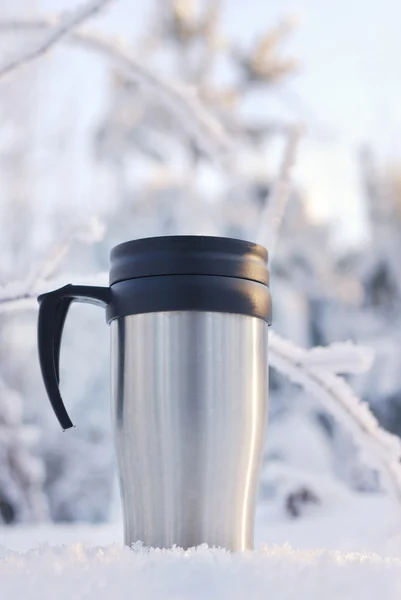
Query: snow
(79,572)
(113,572)
(349,546)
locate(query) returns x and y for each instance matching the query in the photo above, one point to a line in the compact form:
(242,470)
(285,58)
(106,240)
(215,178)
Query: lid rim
(189,255)
(186,238)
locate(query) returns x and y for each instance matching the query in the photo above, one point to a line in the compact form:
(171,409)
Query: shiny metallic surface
(189,404)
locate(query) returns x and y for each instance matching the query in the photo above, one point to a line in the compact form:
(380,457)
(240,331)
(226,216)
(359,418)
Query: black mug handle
(53,309)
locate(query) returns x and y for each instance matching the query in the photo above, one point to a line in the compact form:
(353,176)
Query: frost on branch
(273,213)
(179,99)
(340,358)
(380,447)
(61,29)
(21,295)
(14,296)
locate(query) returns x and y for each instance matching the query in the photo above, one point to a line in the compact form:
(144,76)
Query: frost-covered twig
(20,295)
(382,448)
(92,231)
(338,358)
(65,25)
(195,119)
(48,266)
(269,221)
(13,297)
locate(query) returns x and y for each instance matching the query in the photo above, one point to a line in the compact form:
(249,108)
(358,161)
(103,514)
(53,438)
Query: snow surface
(112,572)
(81,562)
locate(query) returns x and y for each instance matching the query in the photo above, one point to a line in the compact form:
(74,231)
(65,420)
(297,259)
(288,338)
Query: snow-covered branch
(65,25)
(338,358)
(90,232)
(192,115)
(15,297)
(382,448)
(21,295)
(271,217)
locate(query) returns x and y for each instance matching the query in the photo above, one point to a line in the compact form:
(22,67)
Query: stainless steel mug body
(189,403)
(189,321)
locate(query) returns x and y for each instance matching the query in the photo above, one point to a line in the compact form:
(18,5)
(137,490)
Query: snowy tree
(22,470)
(37,237)
(376,319)
(173,171)
(184,157)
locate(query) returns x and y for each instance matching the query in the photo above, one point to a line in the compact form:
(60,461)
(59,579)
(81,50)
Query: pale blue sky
(350,53)
(350,81)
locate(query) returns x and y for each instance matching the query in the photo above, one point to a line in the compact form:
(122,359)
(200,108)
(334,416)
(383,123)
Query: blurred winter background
(275,122)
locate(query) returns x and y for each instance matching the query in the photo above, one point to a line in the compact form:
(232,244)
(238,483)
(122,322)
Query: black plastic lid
(189,255)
